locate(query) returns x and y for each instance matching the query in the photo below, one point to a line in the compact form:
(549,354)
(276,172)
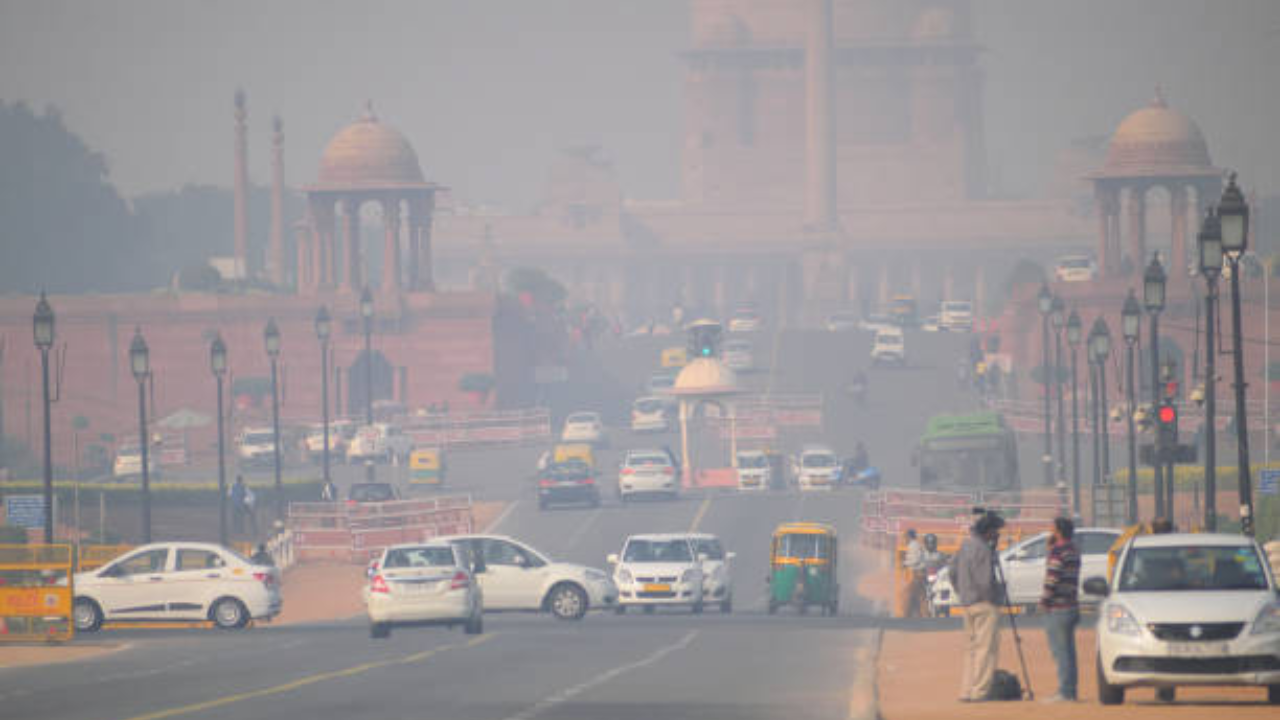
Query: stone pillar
(354,280)
(1137,228)
(421,273)
(820,185)
(1108,228)
(391,245)
(304,266)
(1176,267)
(275,256)
(323,241)
(240,185)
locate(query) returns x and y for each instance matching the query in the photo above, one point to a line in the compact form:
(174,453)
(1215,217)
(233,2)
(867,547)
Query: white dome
(705,376)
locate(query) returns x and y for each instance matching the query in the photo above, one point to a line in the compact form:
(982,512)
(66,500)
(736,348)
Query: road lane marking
(305,681)
(570,693)
(702,510)
(578,532)
(493,526)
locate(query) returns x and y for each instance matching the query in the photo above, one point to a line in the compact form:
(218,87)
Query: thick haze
(487,90)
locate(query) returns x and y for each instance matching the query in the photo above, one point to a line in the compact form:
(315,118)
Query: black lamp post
(140,364)
(271,337)
(1091,357)
(1073,340)
(324,326)
(1057,317)
(1100,346)
(1044,302)
(43,330)
(1153,287)
(1130,325)
(1209,247)
(1233,214)
(366,316)
(218,365)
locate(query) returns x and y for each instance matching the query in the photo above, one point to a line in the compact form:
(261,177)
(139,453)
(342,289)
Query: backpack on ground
(1005,686)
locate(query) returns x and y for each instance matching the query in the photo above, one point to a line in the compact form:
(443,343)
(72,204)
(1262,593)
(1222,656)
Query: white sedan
(177,581)
(1188,609)
(422,584)
(515,577)
(583,427)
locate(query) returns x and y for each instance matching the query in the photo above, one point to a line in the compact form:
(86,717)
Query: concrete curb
(864,698)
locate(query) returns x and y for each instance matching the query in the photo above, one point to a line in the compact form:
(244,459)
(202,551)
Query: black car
(572,481)
(372,492)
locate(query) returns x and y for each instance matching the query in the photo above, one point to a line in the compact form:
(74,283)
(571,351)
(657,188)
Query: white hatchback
(177,581)
(889,346)
(754,472)
(583,427)
(647,472)
(717,575)
(1188,609)
(817,468)
(650,414)
(422,584)
(655,570)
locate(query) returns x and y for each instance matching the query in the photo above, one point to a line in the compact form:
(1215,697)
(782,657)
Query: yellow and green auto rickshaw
(803,568)
(426,467)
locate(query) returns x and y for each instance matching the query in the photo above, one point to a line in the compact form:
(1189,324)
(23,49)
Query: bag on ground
(1005,686)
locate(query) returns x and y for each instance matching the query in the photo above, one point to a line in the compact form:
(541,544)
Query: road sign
(24,510)
(1269,482)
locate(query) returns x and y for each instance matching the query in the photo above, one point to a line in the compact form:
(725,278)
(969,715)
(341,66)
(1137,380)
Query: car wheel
(1166,694)
(379,631)
(86,615)
(1273,694)
(1108,694)
(726,605)
(475,625)
(229,614)
(567,601)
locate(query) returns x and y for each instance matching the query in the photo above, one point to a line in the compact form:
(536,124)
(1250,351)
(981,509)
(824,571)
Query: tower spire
(276,255)
(241,186)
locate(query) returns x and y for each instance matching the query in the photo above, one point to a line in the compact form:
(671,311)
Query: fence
(35,593)
(509,427)
(357,532)
(886,514)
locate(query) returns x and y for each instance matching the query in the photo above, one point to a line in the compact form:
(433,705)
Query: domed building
(1154,147)
(367,161)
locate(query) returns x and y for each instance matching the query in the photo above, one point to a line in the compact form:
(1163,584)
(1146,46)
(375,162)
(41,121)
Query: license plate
(1197,649)
(657,587)
(417,588)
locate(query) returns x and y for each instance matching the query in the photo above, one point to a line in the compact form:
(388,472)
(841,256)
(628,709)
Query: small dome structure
(1157,141)
(705,377)
(369,154)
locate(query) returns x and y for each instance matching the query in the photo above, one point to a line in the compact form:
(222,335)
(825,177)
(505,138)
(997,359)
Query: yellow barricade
(35,593)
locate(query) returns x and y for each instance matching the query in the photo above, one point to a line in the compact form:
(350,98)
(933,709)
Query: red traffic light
(1168,415)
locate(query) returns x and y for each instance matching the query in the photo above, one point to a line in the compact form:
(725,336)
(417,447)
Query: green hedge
(165,492)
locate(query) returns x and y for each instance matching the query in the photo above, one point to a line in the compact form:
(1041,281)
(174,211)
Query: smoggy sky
(487,90)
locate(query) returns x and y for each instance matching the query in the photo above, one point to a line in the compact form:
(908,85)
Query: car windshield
(752,461)
(657,551)
(1074,263)
(1192,568)
(569,470)
(417,557)
(805,545)
(372,492)
(647,460)
(258,438)
(818,460)
(710,547)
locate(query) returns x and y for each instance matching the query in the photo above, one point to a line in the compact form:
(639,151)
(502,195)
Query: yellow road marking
(702,510)
(305,681)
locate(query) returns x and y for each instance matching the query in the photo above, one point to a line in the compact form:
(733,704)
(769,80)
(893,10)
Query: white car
(1188,609)
(754,472)
(1023,567)
(745,321)
(889,347)
(841,322)
(583,427)
(817,468)
(647,472)
(313,442)
(737,356)
(422,584)
(128,462)
(956,316)
(655,570)
(515,577)
(717,580)
(379,442)
(256,447)
(650,414)
(177,581)
(1075,268)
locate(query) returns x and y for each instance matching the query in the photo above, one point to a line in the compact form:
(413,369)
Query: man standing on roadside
(1060,603)
(913,563)
(979,595)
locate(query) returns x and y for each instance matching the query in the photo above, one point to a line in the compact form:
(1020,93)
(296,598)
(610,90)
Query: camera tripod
(1013,623)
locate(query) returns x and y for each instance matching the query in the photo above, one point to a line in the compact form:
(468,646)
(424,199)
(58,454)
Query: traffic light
(1167,422)
(704,339)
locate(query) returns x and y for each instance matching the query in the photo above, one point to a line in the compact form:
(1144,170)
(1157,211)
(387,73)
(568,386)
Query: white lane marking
(702,511)
(570,693)
(493,526)
(578,532)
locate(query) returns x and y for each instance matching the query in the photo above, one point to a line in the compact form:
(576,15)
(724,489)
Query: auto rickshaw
(564,452)
(426,467)
(674,357)
(803,568)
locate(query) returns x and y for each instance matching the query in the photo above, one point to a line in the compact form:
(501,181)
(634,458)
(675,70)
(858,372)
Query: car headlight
(1121,621)
(689,576)
(624,576)
(1268,621)
(595,575)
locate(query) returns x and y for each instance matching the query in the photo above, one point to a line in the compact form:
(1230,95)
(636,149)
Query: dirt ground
(15,655)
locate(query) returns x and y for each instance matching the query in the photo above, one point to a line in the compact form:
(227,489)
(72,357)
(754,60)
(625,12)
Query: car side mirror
(1096,586)
(612,559)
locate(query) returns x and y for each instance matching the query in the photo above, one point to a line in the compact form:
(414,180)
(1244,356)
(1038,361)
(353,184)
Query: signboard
(1269,482)
(24,510)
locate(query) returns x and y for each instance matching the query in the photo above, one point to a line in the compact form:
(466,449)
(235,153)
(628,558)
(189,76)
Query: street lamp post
(140,364)
(271,337)
(43,330)
(1153,288)
(1130,322)
(366,315)
(1044,302)
(324,325)
(218,364)
(1209,245)
(1233,215)
(1057,316)
(1100,338)
(1073,340)
(1091,357)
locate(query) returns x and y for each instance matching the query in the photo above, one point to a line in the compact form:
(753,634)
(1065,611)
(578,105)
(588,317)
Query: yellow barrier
(35,593)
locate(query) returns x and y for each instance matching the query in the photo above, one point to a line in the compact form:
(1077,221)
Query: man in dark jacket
(973,575)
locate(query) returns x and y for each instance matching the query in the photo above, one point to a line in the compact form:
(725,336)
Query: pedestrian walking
(250,508)
(1060,603)
(913,563)
(979,595)
(236,496)
(329,493)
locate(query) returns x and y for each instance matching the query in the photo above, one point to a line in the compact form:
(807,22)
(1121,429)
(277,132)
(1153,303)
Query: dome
(705,376)
(369,154)
(1157,141)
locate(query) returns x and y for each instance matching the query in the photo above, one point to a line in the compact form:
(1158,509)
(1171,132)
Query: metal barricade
(36,593)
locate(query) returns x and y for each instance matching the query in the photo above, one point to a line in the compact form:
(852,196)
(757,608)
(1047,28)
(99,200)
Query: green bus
(970,452)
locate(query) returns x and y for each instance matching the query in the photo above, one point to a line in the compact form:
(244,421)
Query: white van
(956,316)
